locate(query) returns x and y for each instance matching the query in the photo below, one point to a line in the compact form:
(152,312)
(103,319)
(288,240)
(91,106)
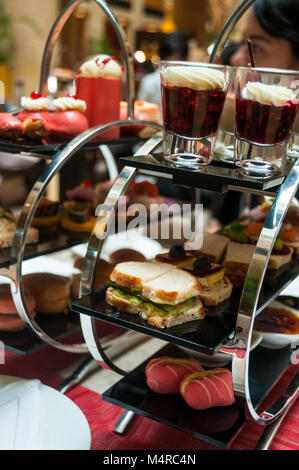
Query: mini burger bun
(51,291)
(10,321)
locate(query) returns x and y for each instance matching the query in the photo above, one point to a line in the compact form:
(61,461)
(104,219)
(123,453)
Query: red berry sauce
(265,123)
(191,113)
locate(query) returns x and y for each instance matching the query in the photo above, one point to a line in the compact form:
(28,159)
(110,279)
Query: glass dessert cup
(266,104)
(193,95)
(293,146)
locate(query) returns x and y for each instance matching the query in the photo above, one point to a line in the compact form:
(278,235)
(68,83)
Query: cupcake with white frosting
(68,119)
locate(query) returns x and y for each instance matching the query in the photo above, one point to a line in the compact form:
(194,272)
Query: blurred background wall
(25,24)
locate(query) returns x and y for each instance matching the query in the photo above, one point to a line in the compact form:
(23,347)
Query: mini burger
(10,320)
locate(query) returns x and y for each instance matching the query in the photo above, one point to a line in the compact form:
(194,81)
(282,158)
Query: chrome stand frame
(239,347)
(14,272)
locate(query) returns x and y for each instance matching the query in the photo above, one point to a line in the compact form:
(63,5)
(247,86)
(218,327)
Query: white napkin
(19,415)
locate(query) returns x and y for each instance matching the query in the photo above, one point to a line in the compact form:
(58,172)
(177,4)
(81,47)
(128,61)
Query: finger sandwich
(162,294)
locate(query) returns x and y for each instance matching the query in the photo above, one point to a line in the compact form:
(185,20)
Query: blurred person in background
(172,46)
(272,27)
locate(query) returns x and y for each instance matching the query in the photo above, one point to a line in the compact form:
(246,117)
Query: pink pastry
(207,389)
(10,126)
(68,120)
(99,83)
(164,374)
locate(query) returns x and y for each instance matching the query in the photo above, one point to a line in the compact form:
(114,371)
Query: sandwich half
(160,293)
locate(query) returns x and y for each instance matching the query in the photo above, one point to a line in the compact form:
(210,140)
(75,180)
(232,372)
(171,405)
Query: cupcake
(68,119)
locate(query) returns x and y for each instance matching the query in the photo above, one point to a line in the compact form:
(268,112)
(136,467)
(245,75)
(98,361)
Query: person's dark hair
(173,43)
(279,18)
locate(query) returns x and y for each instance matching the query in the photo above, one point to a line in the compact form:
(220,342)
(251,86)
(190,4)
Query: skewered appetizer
(78,211)
(47,215)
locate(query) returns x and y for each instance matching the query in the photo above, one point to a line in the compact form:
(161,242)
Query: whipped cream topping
(68,102)
(39,104)
(101,66)
(197,78)
(109,68)
(89,69)
(266,94)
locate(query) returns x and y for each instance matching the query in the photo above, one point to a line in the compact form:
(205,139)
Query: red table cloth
(143,433)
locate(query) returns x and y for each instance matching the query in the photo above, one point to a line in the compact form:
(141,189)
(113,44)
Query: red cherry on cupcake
(35,95)
(72,96)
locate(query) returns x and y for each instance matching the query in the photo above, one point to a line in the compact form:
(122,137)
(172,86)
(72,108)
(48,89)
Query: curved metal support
(121,35)
(240,346)
(228,27)
(14,273)
(94,250)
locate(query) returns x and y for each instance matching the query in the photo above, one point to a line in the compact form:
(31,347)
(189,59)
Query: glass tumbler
(266,104)
(193,95)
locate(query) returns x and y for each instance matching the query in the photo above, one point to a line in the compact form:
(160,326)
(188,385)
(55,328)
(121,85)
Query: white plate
(279,340)
(148,247)
(63,426)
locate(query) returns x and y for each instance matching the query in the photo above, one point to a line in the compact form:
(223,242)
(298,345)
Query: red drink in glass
(191,113)
(193,95)
(266,105)
(265,124)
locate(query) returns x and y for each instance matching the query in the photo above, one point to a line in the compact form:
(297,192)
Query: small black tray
(218,426)
(123,144)
(215,177)
(47,244)
(205,335)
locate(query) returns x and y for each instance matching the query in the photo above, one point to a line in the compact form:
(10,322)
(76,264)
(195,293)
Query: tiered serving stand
(223,332)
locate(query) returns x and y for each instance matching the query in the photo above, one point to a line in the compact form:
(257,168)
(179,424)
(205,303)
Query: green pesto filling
(151,308)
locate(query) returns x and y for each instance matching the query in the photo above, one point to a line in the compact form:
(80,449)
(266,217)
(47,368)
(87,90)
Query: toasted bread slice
(213,246)
(173,287)
(216,293)
(134,274)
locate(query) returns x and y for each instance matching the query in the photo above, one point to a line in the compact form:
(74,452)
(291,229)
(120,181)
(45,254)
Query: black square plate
(218,426)
(215,177)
